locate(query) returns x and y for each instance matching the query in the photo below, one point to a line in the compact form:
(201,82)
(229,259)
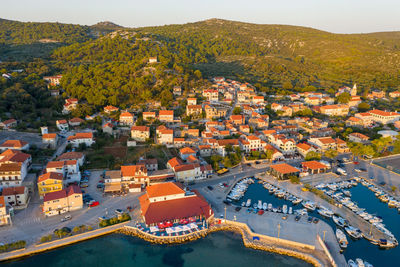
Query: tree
(381,144)
(287,85)
(312,155)
(227,162)
(237,111)
(331,154)
(343,98)
(363,106)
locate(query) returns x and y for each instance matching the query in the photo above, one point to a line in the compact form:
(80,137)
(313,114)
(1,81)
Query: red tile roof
(81,136)
(14,143)
(170,210)
(164,189)
(313,165)
(49,136)
(50,175)
(140,128)
(17,190)
(284,168)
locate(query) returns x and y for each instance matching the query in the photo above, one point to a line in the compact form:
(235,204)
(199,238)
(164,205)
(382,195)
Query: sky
(338,16)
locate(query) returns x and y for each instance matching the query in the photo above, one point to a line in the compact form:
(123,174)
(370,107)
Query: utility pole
(279,229)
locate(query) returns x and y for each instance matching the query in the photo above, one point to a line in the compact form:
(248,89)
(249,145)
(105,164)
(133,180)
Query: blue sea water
(356,248)
(217,249)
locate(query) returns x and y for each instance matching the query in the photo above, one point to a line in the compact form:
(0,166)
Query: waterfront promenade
(306,252)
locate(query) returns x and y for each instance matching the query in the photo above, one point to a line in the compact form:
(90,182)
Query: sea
(217,249)
(362,248)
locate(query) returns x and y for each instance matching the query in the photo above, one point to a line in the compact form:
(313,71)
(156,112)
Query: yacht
(259,206)
(341,237)
(284,209)
(309,205)
(353,232)
(248,203)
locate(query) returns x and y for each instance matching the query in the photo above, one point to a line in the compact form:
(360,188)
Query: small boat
(243,204)
(297,201)
(347,193)
(339,221)
(265,206)
(255,205)
(284,209)
(269,206)
(290,210)
(367,264)
(371,239)
(259,206)
(360,262)
(341,237)
(351,263)
(384,243)
(301,212)
(353,232)
(325,212)
(309,205)
(248,203)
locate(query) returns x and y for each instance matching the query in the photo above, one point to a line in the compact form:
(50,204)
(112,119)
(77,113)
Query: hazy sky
(341,16)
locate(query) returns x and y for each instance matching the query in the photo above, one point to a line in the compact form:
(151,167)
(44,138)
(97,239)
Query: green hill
(106,63)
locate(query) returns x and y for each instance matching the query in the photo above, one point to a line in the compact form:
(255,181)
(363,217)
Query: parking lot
(31,138)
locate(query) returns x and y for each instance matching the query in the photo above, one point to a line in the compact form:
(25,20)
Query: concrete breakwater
(285,247)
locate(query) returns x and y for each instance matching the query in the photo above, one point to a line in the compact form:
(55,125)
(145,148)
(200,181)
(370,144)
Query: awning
(154,229)
(112,187)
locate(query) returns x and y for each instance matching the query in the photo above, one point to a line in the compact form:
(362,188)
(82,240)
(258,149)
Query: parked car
(66,218)
(309,219)
(225,184)
(238,208)
(356,162)
(210,187)
(257,162)
(284,217)
(297,218)
(226,202)
(315,220)
(94,204)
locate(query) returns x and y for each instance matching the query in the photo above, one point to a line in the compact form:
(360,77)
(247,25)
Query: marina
(361,244)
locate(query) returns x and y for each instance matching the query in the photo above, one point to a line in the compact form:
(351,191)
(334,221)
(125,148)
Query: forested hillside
(114,69)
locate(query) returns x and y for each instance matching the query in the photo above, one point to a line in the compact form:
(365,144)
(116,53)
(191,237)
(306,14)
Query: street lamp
(324,236)
(225,213)
(279,229)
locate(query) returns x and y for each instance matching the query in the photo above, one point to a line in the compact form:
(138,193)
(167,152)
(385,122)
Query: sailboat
(341,237)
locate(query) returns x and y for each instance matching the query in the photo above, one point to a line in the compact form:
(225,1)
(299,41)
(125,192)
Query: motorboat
(384,243)
(309,205)
(259,206)
(297,201)
(243,204)
(255,205)
(269,206)
(367,264)
(284,209)
(301,212)
(265,206)
(290,210)
(347,193)
(353,232)
(341,237)
(351,263)
(325,212)
(360,262)
(248,203)
(371,239)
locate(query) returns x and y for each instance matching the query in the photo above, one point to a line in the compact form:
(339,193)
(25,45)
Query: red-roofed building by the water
(169,202)
(81,138)
(62,201)
(5,217)
(314,167)
(283,171)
